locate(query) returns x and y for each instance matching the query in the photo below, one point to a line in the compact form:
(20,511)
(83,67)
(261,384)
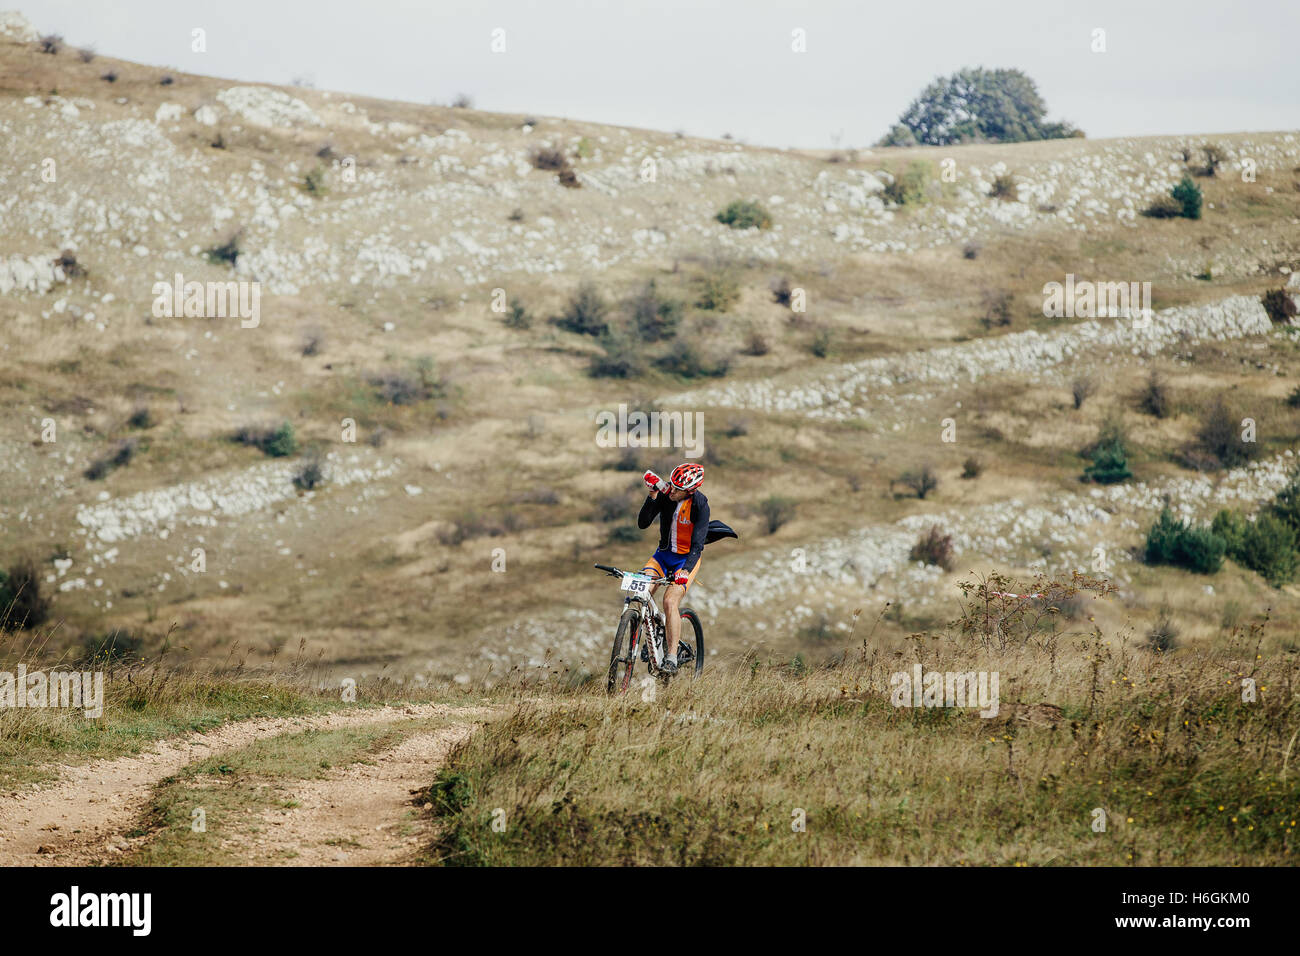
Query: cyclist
(684,529)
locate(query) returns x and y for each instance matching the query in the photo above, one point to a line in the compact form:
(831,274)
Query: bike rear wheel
(623,658)
(695,640)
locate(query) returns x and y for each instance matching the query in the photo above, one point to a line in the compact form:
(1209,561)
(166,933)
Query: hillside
(379,233)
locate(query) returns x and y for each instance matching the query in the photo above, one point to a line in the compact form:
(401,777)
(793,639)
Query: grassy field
(771,762)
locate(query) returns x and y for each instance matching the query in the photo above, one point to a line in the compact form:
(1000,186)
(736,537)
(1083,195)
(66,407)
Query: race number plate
(635,583)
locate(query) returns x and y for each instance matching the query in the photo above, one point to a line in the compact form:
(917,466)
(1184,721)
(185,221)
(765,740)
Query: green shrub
(1268,547)
(908,187)
(1286,505)
(1171,541)
(1293,400)
(745,214)
(1231,527)
(719,291)
(1188,195)
(313,184)
(279,442)
(1109,457)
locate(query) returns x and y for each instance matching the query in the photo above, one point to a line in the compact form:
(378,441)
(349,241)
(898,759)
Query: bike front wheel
(695,640)
(623,658)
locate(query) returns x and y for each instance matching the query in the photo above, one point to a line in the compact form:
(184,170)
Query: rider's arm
(700,515)
(649,508)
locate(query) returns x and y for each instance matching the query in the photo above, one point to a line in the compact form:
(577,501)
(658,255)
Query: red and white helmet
(687,476)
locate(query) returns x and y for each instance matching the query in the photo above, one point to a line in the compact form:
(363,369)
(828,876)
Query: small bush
(517,316)
(22,605)
(1293,400)
(1164,636)
(718,290)
(921,481)
(745,214)
(970,250)
(166,80)
(1267,546)
(463,101)
(1286,504)
(1188,195)
(586,313)
(397,387)
(141,417)
(274,442)
(1279,305)
(1081,389)
(568,179)
(1109,455)
(821,342)
(610,508)
(625,534)
(782,293)
(972,467)
(311,474)
(67,261)
(688,358)
(1214,158)
(110,76)
(228,252)
(1164,207)
(550,159)
(1154,397)
(997,309)
(516,215)
(121,455)
(313,183)
(1172,541)
(933,547)
(776,512)
(620,356)
(313,340)
(51,43)
(114,647)
(756,344)
(1004,187)
(908,188)
(654,316)
(1220,437)
(86,54)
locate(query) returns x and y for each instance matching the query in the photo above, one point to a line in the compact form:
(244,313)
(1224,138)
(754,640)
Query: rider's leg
(673,617)
(672,610)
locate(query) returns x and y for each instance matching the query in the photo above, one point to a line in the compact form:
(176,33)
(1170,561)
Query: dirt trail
(360,815)
(78,819)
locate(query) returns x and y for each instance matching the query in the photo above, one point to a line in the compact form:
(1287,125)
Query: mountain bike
(642,632)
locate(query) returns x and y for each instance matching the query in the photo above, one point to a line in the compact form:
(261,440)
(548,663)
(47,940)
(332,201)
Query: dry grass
(716,772)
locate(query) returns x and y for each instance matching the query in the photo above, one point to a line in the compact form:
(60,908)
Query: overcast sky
(709,67)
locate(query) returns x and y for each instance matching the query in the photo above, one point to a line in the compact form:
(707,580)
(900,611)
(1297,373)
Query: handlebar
(616,573)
